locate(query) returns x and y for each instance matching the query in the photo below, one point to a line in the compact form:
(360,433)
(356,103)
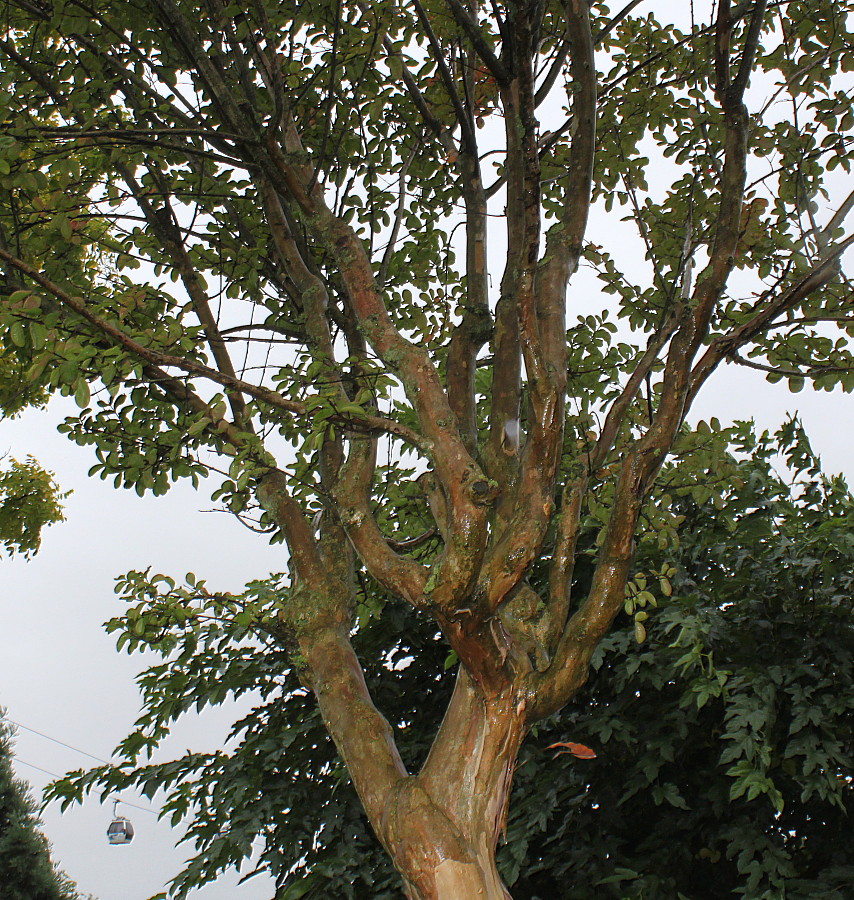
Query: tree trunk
(441,827)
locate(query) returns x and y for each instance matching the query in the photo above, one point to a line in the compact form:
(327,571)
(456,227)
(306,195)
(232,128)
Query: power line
(30,765)
(56,741)
(23,762)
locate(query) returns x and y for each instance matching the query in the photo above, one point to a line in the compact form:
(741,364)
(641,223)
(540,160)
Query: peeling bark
(463,789)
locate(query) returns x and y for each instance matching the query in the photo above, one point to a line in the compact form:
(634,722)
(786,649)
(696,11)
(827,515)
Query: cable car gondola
(120,830)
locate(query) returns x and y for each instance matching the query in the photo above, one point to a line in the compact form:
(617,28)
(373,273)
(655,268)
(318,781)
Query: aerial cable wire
(76,750)
(103,794)
(56,741)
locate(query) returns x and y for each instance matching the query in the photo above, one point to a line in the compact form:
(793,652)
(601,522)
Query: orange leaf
(578,750)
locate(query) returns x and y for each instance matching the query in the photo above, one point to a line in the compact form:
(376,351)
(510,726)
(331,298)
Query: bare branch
(481,47)
(351,490)
(464,118)
(813,371)
(824,271)
(560,60)
(163,224)
(382,274)
(617,411)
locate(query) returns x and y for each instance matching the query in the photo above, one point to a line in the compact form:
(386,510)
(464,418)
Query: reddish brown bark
(460,796)
(441,826)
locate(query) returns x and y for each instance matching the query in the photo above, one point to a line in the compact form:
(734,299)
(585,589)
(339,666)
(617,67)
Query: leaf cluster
(29,500)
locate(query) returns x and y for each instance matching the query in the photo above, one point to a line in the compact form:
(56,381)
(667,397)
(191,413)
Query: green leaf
(81,394)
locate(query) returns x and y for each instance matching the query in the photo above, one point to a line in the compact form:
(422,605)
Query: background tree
(724,742)
(26,870)
(260,234)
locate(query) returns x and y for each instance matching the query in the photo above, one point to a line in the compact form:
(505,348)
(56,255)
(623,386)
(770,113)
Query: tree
(29,497)
(723,742)
(260,234)
(26,870)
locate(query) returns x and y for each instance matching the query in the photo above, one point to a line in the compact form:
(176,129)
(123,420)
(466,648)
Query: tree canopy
(29,500)
(338,254)
(26,869)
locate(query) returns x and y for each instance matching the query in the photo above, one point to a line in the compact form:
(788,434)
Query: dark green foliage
(724,740)
(725,743)
(26,870)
